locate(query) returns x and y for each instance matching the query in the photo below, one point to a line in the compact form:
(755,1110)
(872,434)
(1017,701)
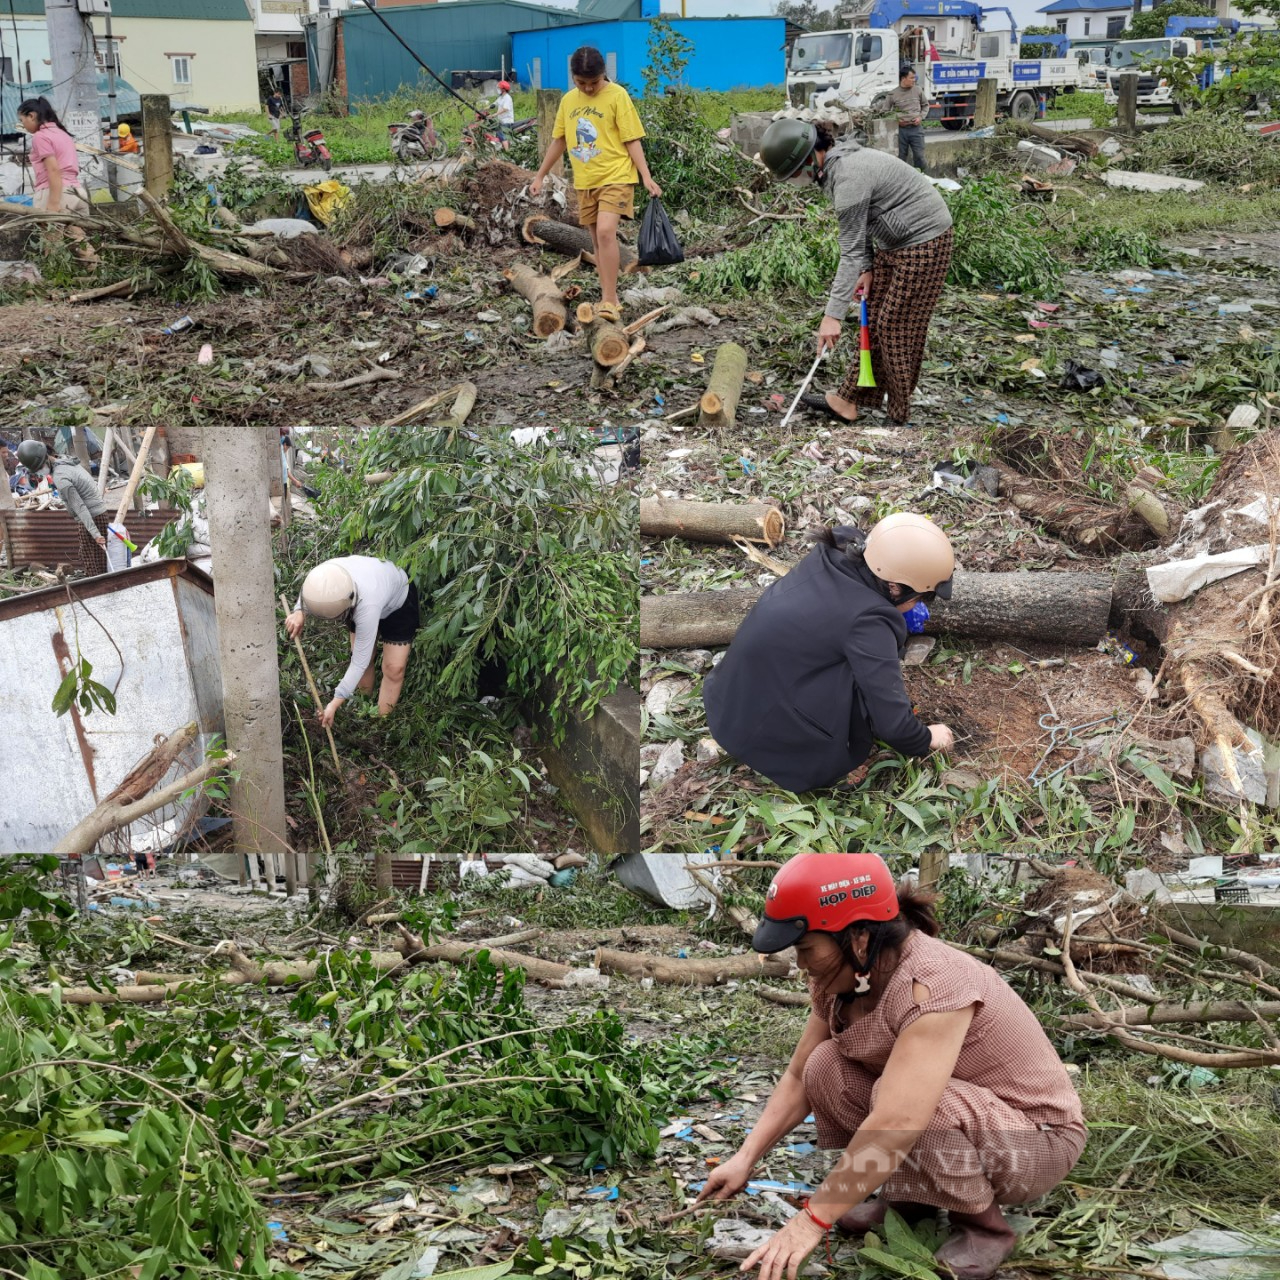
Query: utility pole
(75,72)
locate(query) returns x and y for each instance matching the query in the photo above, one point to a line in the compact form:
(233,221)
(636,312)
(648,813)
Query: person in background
(79,495)
(8,459)
(911,104)
(504,110)
(378,602)
(56,169)
(895,250)
(275,109)
(128,143)
(608,159)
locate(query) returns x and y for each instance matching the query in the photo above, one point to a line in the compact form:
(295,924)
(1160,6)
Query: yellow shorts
(619,198)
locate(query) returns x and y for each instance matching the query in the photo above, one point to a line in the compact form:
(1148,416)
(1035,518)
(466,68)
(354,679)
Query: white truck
(854,69)
(1146,58)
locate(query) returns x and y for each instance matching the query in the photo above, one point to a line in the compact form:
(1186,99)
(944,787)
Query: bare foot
(845,409)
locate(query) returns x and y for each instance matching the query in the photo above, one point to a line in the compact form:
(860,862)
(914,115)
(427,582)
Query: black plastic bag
(658,244)
(1076,377)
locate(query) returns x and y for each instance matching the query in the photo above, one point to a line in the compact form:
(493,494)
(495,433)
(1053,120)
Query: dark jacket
(813,676)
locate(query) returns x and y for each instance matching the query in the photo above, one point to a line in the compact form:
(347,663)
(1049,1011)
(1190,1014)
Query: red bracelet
(826,1226)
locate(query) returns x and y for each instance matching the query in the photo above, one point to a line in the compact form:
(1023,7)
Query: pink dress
(1009,1126)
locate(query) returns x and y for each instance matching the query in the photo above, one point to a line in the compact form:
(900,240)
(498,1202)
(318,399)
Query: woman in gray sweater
(895,249)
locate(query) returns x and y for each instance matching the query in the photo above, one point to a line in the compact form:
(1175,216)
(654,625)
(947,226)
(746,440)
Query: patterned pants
(904,291)
(93,558)
(976,1150)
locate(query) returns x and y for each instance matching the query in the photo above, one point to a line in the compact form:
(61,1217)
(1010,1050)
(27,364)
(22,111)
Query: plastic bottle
(179,325)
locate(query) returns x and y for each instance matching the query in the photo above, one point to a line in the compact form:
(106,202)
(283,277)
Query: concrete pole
(238,467)
(1127,106)
(157,144)
(548,104)
(984,107)
(75,75)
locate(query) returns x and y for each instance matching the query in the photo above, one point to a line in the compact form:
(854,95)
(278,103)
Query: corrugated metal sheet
(451,37)
(149,633)
(406,873)
(52,538)
(127,101)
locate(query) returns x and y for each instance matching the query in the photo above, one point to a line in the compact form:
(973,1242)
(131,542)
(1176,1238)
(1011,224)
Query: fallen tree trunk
(1059,608)
(543,294)
(1094,526)
(1157,1014)
(572,241)
(609,343)
(712,521)
(412,948)
(713,972)
(719,404)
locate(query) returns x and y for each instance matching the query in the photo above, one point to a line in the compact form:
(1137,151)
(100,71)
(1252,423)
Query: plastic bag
(658,245)
(1076,377)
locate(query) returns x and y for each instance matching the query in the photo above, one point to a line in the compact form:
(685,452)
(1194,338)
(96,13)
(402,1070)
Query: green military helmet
(32,454)
(786,145)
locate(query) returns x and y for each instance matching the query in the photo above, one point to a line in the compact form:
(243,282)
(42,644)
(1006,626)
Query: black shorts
(401,626)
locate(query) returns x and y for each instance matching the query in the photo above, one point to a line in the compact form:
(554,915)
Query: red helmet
(825,893)
(504,85)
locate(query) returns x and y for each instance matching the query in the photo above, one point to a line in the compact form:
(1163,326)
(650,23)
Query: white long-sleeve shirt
(381,588)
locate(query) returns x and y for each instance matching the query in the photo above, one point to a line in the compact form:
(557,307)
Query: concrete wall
(728,53)
(224,60)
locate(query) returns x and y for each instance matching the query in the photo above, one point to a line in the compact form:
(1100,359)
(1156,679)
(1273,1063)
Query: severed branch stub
(719,403)
(609,343)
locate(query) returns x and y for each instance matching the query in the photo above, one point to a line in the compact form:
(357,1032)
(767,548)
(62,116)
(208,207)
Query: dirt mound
(496,195)
(1103,920)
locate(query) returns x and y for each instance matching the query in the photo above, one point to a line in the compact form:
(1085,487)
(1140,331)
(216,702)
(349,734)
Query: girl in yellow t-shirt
(598,125)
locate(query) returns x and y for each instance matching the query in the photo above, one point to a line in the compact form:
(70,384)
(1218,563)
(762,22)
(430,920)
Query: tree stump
(609,341)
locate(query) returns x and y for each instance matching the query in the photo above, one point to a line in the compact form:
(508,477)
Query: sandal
(819,405)
(609,311)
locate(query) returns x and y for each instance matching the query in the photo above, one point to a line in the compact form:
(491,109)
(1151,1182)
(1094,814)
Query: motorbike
(416,139)
(309,148)
(482,131)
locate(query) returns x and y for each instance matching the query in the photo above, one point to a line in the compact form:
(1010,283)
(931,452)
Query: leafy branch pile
(1211,146)
(520,558)
(144,1138)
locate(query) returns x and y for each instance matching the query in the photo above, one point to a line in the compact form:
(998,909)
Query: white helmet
(329,590)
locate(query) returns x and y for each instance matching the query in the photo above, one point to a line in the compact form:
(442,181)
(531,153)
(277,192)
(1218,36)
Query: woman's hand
(828,334)
(652,187)
(327,715)
(785,1254)
(294,623)
(941,738)
(727,1179)
(863,288)
(535,187)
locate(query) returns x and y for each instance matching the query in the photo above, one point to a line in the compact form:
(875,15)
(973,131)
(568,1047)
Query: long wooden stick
(139,465)
(311,684)
(104,461)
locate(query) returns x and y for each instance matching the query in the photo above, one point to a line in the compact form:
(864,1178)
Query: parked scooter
(416,140)
(482,131)
(309,148)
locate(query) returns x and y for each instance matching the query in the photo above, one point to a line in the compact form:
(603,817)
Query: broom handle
(311,684)
(804,386)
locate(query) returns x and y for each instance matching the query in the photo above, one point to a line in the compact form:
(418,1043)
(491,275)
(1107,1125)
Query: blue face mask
(916,617)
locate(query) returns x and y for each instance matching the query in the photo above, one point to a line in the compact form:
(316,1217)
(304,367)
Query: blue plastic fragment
(657,398)
(1111,293)
(762,1185)
(748,467)
(1002,417)
(802,1148)
(1138,288)
(278,1232)
(808,1120)
(602,1193)
(685,1134)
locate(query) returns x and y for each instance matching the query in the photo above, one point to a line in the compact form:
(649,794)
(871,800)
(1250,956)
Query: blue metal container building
(728,53)
(465,36)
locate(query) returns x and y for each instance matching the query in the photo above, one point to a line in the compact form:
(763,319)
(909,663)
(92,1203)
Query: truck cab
(1146,57)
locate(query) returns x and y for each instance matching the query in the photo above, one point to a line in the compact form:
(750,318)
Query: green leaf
(66,694)
(896,1266)
(101,1137)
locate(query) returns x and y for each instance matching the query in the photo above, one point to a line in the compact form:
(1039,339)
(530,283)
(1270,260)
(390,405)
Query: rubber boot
(871,1214)
(978,1244)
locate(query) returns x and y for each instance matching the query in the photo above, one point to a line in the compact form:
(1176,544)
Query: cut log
(714,972)
(605,378)
(1094,526)
(609,342)
(572,241)
(712,521)
(121,289)
(792,999)
(543,295)
(452,218)
(719,403)
(1059,608)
